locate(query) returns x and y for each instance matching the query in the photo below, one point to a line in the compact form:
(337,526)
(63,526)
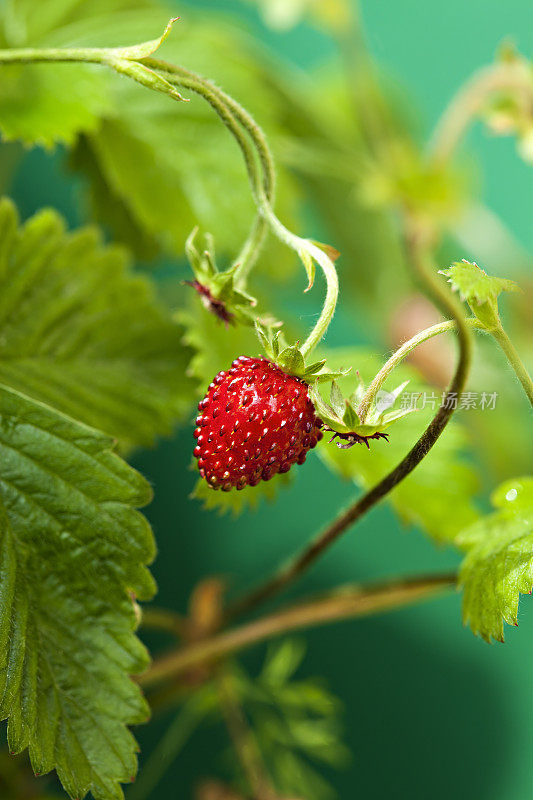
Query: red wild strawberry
(255,421)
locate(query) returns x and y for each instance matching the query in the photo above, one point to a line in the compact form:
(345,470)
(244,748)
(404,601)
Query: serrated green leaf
(236,502)
(72,550)
(498,566)
(474,284)
(443,481)
(292,360)
(43,105)
(310,267)
(83,334)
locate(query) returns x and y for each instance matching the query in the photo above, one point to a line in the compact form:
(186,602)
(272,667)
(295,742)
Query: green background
(429,710)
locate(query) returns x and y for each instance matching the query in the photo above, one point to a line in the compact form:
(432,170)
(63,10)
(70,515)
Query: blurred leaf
(326,147)
(189,170)
(82,333)
(283,15)
(438,495)
(235,503)
(46,105)
(282,662)
(72,553)
(49,103)
(499,561)
(293,721)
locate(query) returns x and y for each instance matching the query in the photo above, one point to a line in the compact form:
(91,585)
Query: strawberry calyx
(290,358)
(342,416)
(348,440)
(217,288)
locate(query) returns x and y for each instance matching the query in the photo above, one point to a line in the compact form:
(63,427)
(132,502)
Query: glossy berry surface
(254,422)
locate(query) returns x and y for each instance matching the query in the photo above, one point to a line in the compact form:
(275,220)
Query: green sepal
(351,417)
(314,368)
(217,288)
(145,49)
(341,414)
(291,360)
(336,399)
(290,357)
(309,265)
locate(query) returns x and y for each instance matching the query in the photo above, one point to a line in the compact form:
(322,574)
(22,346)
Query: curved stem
(514,360)
(163,77)
(182,76)
(416,241)
(306,249)
(402,352)
(470,100)
(344,603)
(144,72)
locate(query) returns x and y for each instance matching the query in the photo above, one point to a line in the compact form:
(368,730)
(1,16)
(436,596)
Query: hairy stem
(187,79)
(416,241)
(399,355)
(344,603)
(263,194)
(514,360)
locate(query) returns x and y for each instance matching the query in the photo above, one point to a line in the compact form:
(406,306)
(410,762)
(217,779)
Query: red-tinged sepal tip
(211,303)
(348,440)
(217,289)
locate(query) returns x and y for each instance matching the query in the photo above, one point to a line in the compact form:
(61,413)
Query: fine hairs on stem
(421,261)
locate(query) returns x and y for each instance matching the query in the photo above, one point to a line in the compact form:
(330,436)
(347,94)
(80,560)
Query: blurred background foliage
(348,97)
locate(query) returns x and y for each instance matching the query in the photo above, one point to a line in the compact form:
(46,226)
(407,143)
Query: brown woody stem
(344,603)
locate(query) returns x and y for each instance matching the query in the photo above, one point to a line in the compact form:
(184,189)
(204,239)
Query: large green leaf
(499,562)
(72,554)
(44,104)
(82,333)
(438,495)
